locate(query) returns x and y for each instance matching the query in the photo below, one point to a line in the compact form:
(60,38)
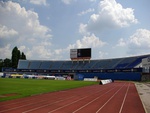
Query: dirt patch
(8,95)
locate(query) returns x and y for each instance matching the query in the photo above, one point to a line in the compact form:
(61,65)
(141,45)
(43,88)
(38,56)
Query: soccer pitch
(12,88)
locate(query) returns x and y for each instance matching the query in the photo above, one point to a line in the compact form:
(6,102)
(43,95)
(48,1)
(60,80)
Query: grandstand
(117,63)
(127,68)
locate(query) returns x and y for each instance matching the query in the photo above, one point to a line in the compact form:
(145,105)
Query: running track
(117,97)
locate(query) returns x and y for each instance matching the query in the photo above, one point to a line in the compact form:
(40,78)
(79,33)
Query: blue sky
(48,29)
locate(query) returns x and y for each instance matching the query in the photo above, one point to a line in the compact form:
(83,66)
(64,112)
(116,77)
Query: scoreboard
(80,53)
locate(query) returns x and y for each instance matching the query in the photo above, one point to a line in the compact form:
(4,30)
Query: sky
(48,29)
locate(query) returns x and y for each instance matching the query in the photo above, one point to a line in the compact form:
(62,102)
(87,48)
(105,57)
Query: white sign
(146,62)
(73,53)
(105,81)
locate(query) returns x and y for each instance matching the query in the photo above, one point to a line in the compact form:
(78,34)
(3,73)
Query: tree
(13,62)
(1,64)
(7,62)
(15,57)
(23,56)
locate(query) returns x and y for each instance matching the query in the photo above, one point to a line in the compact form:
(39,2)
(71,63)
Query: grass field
(11,88)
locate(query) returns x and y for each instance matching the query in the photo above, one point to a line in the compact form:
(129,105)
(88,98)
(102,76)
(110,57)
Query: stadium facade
(127,68)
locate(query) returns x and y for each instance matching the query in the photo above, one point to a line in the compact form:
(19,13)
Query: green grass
(28,87)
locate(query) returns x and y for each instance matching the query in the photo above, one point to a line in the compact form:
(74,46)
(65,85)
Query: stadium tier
(127,68)
(117,63)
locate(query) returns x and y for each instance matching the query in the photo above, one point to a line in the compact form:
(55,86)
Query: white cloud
(121,16)
(82,29)
(87,11)
(102,54)
(121,42)
(24,29)
(6,32)
(67,1)
(92,0)
(7,35)
(88,41)
(140,39)
(111,15)
(138,43)
(38,2)
(5,52)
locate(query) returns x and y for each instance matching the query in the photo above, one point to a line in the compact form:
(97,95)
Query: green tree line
(13,62)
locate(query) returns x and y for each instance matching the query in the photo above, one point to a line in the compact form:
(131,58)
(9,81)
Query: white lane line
(52,103)
(22,106)
(67,104)
(73,102)
(47,105)
(109,99)
(22,100)
(12,103)
(19,107)
(124,99)
(91,101)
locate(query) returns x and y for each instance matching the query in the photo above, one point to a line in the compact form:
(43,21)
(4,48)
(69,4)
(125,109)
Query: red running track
(117,97)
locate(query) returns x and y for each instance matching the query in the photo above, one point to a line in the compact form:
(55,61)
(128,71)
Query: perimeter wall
(131,76)
(145,77)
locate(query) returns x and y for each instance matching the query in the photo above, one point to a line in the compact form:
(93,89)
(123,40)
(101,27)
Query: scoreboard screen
(80,53)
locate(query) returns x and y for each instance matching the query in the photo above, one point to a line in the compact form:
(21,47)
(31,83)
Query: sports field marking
(46,105)
(92,101)
(9,104)
(33,103)
(109,99)
(89,91)
(124,99)
(19,106)
(68,104)
(77,101)
(89,99)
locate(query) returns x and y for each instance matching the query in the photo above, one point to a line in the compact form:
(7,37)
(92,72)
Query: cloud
(70,1)
(5,52)
(140,39)
(111,15)
(6,32)
(88,42)
(7,35)
(67,1)
(87,11)
(138,43)
(38,2)
(102,54)
(121,43)
(21,27)
(92,0)
(82,29)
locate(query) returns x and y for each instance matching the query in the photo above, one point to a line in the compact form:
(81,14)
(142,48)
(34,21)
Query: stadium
(35,95)
(81,67)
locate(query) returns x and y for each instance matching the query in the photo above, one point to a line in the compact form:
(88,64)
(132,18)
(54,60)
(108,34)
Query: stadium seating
(117,63)
(34,65)
(56,65)
(127,68)
(23,64)
(45,65)
(125,62)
